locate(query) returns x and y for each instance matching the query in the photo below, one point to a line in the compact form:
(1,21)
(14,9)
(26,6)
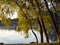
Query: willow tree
(24,21)
(32,14)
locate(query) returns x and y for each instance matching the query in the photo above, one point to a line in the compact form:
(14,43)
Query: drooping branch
(28,21)
(21,10)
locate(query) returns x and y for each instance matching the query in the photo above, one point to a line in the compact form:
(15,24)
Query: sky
(13,16)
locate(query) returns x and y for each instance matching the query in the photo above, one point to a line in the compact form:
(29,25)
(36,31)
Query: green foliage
(6,22)
(23,23)
(8,7)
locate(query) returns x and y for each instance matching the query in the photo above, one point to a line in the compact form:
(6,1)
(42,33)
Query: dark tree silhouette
(29,22)
(41,31)
(56,29)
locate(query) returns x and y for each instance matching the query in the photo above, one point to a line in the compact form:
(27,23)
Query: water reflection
(13,37)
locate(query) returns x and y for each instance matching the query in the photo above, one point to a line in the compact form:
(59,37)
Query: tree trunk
(56,29)
(34,33)
(42,22)
(53,6)
(41,31)
(29,22)
(55,14)
(51,15)
(45,31)
(35,36)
